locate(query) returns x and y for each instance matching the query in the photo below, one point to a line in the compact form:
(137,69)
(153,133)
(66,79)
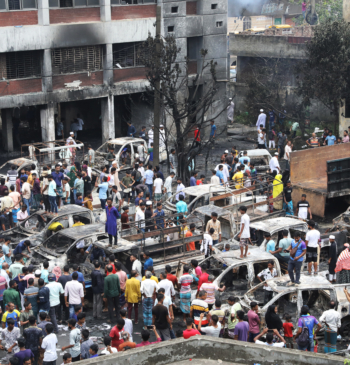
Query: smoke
(237,8)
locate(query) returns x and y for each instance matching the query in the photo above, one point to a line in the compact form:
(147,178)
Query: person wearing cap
(131,130)
(274,164)
(332,260)
(150,136)
(56,289)
(230,110)
(261,120)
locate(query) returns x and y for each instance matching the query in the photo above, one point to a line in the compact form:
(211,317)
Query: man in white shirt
(244,234)
(168,184)
(207,242)
(287,151)
(274,164)
(49,345)
(214,326)
(136,266)
(180,186)
(148,288)
(150,136)
(158,188)
(312,240)
(332,321)
(109,349)
(56,289)
(214,179)
(141,169)
(269,338)
(261,139)
(161,137)
(167,285)
(80,124)
(140,216)
(261,119)
(141,150)
(267,274)
(75,291)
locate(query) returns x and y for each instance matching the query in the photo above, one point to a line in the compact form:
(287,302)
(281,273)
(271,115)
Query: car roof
(20,161)
(67,209)
(257,152)
(307,282)
(123,140)
(123,245)
(233,257)
(276,224)
(80,232)
(199,190)
(208,209)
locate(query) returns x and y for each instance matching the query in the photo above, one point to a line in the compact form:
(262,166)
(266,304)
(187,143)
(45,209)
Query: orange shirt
(191,245)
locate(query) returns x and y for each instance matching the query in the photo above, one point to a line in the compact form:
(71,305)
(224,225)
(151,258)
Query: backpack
(303,339)
(138,176)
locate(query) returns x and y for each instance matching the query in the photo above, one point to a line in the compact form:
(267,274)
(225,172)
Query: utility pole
(157,87)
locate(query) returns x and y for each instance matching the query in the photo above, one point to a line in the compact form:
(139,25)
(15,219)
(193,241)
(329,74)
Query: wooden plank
(139,236)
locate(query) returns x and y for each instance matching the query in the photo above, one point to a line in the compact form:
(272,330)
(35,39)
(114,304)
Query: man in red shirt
(204,277)
(116,333)
(190,246)
(197,137)
(111,262)
(191,329)
(201,180)
(171,277)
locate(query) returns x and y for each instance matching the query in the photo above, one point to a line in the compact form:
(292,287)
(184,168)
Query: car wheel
(344,329)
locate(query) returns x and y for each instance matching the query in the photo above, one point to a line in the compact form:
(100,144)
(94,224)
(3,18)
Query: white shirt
(206,243)
(168,183)
(287,149)
(261,138)
(161,138)
(276,344)
(139,216)
(148,286)
(158,184)
(151,135)
(5,275)
(49,345)
(168,286)
(106,352)
(224,171)
(261,120)
(142,170)
(212,331)
(215,180)
(136,265)
(332,318)
(267,274)
(111,180)
(312,237)
(179,188)
(128,327)
(141,152)
(246,220)
(274,164)
(166,302)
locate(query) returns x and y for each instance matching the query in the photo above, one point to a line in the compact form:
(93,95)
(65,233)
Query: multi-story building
(80,56)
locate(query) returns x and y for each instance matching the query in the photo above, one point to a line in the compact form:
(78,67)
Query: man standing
(254,321)
(199,306)
(112,293)
(287,197)
(167,285)
(274,164)
(312,241)
(133,294)
(283,245)
(267,274)
(34,337)
(31,296)
(207,243)
(179,188)
(220,174)
(309,322)
(244,234)
(131,130)
(112,215)
(230,110)
(158,188)
(79,123)
(26,193)
(11,295)
(280,144)
(56,290)
(261,120)
(331,319)
(161,319)
(216,225)
(9,337)
(168,184)
(75,291)
(74,340)
(330,139)
(287,152)
(212,130)
(313,141)
(303,207)
(172,161)
(148,180)
(332,261)
(150,136)
(148,288)
(43,297)
(181,206)
(242,328)
(136,265)
(49,345)
(296,258)
(210,288)
(97,290)
(294,129)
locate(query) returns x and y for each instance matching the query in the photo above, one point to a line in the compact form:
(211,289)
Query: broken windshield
(58,243)
(36,222)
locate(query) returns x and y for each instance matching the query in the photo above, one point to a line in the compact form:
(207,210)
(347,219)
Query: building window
(132,2)
(6,5)
(77,59)
(194,46)
(174,9)
(20,65)
(72,3)
(171,28)
(347,108)
(247,23)
(214,6)
(127,55)
(219,24)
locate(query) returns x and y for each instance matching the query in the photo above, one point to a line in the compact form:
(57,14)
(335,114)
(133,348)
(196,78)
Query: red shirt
(199,182)
(115,336)
(197,135)
(172,278)
(113,271)
(146,343)
(190,333)
(203,279)
(288,329)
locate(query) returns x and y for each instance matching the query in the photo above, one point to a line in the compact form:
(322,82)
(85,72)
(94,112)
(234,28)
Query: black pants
(111,239)
(267,296)
(113,302)
(46,203)
(75,359)
(65,309)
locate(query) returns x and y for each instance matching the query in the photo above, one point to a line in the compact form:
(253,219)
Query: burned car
(260,158)
(35,228)
(20,164)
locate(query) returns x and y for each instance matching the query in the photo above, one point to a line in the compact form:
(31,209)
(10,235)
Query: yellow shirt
(152,278)
(30,180)
(132,291)
(78,224)
(54,225)
(238,176)
(88,204)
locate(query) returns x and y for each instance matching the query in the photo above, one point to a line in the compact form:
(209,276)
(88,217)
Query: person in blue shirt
(131,130)
(158,214)
(58,176)
(22,246)
(212,130)
(330,139)
(272,118)
(142,133)
(80,275)
(181,206)
(93,351)
(270,244)
(96,253)
(296,261)
(220,174)
(193,179)
(79,199)
(244,158)
(148,261)
(43,296)
(45,273)
(102,193)
(148,179)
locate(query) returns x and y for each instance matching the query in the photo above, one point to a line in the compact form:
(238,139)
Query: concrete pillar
(47,71)
(346,10)
(43,12)
(47,122)
(105,10)
(108,65)
(107,113)
(7,137)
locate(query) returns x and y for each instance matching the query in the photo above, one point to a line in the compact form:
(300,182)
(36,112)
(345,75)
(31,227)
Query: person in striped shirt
(199,306)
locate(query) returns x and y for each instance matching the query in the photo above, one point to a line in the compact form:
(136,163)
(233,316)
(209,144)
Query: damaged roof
(277,224)
(208,209)
(233,257)
(20,161)
(67,209)
(83,231)
(123,140)
(253,153)
(205,189)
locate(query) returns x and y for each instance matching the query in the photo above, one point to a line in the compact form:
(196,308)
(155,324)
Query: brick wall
(191,8)
(134,11)
(12,18)
(75,15)
(24,86)
(95,78)
(129,74)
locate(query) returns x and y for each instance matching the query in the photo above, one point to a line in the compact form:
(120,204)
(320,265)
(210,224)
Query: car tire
(344,329)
